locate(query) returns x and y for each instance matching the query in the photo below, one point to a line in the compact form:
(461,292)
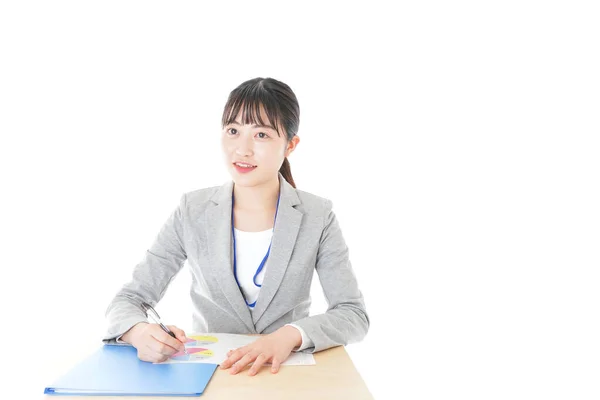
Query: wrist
(130,334)
(294,335)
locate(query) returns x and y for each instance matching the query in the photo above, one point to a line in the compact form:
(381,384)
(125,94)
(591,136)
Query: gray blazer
(306,237)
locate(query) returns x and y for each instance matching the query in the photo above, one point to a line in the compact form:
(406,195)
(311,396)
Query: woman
(252,245)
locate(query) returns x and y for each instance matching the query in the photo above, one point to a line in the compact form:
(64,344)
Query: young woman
(252,245)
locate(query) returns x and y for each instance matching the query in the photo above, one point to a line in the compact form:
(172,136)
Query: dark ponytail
(287,172)
(280,105)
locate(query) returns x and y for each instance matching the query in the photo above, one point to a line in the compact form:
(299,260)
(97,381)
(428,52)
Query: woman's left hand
(275,348)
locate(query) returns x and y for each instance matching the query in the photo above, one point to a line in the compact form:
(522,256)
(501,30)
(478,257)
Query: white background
(457,140)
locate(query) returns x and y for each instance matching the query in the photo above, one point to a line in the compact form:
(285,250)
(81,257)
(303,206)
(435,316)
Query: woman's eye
(234,131)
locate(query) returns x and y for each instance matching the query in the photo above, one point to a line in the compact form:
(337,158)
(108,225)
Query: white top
(250,249)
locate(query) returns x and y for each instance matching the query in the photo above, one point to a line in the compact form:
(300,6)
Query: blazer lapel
(285,232)
(220,249)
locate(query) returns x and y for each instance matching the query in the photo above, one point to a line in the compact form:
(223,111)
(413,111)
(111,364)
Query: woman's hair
(280,105)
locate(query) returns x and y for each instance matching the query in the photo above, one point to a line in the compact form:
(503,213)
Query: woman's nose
(244,150)
(244,147)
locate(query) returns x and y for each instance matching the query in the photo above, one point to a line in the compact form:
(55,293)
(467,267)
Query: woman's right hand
(153,343)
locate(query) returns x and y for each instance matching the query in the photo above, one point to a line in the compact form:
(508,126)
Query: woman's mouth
(243,168)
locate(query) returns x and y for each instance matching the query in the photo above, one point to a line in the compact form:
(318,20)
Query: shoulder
(193,203)
(200,196)
(313,204)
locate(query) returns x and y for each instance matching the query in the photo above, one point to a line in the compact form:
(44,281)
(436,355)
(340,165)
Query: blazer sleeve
(151,277)
(346,320)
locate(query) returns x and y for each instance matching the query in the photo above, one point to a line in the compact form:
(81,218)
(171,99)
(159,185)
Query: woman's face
(256,145)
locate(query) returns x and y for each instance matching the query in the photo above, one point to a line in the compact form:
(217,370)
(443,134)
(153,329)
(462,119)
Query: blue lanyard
(265,257)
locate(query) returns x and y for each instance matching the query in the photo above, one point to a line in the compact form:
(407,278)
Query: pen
(150,312)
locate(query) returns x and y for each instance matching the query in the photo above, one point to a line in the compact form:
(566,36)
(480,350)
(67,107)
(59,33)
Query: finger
(158,347)
(234,357)
(231,359)
(142,355)
(258,363)
(148,356)
(275,365)
(179,333)
(230,352)
(155,357)
(241,364)
(166,339)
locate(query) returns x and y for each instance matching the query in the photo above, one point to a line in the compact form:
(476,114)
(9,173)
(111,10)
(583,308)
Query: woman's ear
(292,145)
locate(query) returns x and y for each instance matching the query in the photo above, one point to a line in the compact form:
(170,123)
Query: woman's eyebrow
(254,126)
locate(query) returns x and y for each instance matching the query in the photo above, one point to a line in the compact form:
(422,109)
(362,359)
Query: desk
(333,377)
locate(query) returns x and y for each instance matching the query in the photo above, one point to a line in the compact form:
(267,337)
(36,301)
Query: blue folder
(115,370)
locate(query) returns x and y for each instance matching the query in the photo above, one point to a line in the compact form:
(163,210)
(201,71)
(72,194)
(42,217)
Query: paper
(212,348)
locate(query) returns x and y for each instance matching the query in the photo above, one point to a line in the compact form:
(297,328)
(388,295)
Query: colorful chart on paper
(194,353)
(200,341)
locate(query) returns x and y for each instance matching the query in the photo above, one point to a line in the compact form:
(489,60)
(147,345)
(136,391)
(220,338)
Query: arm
(305,341)
(151,277)
(346,320)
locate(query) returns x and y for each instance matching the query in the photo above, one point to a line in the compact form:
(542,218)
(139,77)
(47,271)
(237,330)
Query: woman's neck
(257,198)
